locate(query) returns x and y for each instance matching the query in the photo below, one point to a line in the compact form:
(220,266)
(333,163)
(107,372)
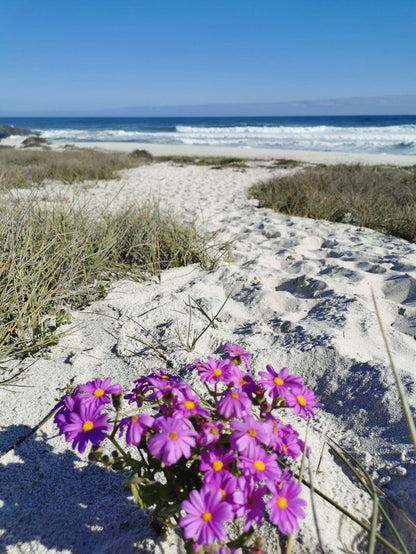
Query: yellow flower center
(284,447)
(98,392)
(252,432)
(173,435)
(87,426)
(189,405)
(243,381)
(134,418)
(215,431)
(217,465)
(164,377)
(301,400)
(281,502)
(224,494)
(278,381)
(259,465)
(234,394)
(217,371)
(207,516)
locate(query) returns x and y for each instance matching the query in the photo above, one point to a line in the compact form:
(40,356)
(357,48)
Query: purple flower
(226,483)
(210,432)
(98,391)
(288,442)
(66,406)
(138,394)
(85,424)
(237,354)
(249,502)
(248,434)
(234,403)
(215,459)
(278,384)
(174,439)
(205,514)
(194,365)
(136,425)
(302,400)
(187,404)
(244,381)
(286,506)
(213,371)
(161,384)
(260,465)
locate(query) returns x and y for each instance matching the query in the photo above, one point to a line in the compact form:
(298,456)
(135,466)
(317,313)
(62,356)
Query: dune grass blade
(348,459)
(403,399)
(351,516)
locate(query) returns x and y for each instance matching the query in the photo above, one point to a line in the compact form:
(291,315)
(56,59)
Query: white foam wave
(398,138)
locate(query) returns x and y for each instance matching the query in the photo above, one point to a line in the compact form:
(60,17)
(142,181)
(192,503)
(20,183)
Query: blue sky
(87,55)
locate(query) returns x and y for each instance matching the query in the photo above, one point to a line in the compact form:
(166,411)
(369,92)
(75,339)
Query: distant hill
(377,105)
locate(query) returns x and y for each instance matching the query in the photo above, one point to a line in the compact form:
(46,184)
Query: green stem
(113,440)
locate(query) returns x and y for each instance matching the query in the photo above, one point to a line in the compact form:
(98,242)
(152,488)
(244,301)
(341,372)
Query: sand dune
(299,295)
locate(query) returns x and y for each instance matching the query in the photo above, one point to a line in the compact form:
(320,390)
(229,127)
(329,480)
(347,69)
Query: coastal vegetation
(63,256)
(26,168)
(382,198)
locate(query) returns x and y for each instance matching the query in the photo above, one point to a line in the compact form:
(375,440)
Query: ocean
(367,134)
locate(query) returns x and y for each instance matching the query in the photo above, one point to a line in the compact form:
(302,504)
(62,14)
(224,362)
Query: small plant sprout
(201,461)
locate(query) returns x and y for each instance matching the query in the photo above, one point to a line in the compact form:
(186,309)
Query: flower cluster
(224,454)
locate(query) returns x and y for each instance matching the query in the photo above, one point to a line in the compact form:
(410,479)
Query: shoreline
(306,156)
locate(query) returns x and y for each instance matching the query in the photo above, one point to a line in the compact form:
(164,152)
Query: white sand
(300,295)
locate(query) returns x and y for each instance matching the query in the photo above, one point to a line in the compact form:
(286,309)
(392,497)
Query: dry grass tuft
(26,168)
(64,256)
(379,197)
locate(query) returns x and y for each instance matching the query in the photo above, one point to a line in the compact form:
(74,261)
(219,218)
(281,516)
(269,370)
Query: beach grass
(382,198)
(63,256)
(27,168)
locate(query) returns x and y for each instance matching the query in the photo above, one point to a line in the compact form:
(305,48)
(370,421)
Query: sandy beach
(299,295)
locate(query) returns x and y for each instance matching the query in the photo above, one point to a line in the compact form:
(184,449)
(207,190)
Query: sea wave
(378,139)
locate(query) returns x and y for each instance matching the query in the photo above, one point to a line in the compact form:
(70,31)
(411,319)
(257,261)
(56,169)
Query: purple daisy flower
(226,483)
(205,514)
(162,383)
(288,442)
(136,425)
(210,432)
(245,382)
(234,403)
(85,424)
(174,439)
(249,502)
(138,394)
(213,371)
(260,465)
(248,434)
(214,460)
(99,391)
(278,384)
(286,506)
(237,354)
(302,400)
(194,365)
(187,404)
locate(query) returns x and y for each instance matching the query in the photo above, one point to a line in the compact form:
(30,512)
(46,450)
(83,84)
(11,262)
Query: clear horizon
(98,57)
